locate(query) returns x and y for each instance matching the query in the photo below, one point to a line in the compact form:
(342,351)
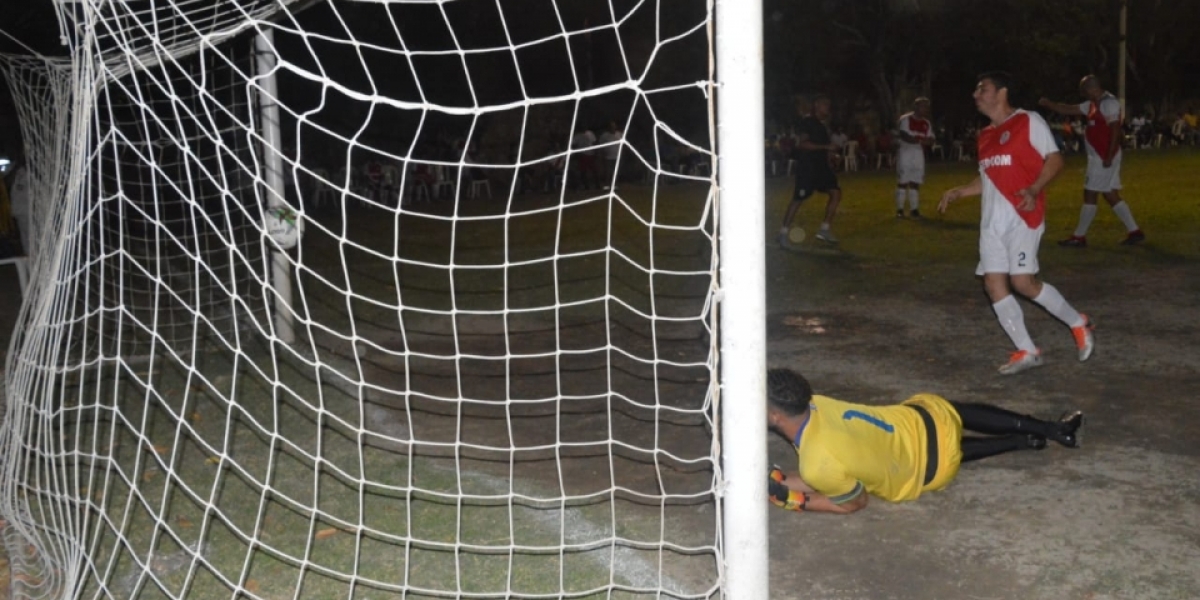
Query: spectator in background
(556,169)
(787,146)
(610,148)
(839,138)
(22,210)
(585,158)
(1139,129)
(1193,125)
(884,145)
(1179,129)
(473,160)
(1056,128)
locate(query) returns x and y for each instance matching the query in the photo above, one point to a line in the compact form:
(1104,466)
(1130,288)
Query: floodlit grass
(1159,185)
(215,495)
(244,467)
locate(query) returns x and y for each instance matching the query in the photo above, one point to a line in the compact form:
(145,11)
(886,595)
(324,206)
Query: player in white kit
(1103,134)
(915,133)
(1017,160)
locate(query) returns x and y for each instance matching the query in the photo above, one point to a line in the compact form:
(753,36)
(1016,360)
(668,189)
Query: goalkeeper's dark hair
(788,391)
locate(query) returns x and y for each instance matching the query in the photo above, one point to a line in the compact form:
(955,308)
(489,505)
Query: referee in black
(814,156)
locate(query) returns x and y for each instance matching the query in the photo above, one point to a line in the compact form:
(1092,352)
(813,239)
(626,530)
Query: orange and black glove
(783,497)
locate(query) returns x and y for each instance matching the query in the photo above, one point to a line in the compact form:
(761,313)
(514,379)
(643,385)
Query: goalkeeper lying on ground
(848,451)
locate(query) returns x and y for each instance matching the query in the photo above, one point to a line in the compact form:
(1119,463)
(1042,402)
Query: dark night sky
(804,54)
(544,69)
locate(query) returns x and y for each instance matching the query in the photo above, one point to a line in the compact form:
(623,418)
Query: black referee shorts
(810,182)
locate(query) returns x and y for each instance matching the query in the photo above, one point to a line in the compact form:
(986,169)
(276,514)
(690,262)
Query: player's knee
(1026,285)
(996,287)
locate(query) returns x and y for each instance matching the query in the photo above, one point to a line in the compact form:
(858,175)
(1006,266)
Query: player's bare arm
(792,480)
(818,502)
(1070,110)
(1052,167)
(789,492)
(974,188)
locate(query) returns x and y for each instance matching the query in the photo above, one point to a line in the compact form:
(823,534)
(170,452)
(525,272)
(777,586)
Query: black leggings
(1008,430)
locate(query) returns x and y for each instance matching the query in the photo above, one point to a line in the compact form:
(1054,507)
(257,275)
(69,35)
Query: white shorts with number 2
(1013,251)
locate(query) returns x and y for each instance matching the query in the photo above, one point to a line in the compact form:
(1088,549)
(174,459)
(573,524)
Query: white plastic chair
(441,181)
(322,191)
(390,178)
(480,185)
(419,191)
(960,152)
(850,157)
(22,265)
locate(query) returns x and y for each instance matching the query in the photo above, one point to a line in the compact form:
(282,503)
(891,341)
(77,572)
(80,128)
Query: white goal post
(740,132)
(391,299)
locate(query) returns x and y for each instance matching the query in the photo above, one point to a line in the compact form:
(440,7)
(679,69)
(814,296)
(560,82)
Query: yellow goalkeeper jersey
(846,447)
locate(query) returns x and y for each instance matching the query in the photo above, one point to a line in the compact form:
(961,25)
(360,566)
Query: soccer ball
(796,235)
(283,225)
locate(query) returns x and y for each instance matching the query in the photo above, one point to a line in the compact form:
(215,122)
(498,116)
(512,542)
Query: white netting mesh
(496,374)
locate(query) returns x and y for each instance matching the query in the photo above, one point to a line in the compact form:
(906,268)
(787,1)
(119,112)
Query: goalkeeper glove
(783,497)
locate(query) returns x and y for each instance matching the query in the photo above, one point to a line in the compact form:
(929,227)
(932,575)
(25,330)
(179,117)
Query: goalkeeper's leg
(985,418)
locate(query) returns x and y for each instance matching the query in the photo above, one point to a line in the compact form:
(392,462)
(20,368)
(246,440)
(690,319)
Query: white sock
(783,230)
(914,198)
(1086,214)
(1012,319)
(1126,216)
(900,198)
(825,226)
(1055,304)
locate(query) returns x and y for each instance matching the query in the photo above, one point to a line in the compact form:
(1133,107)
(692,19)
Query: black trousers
(1007,430)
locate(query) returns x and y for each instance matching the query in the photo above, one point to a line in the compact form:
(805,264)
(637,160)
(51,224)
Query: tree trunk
(885,97)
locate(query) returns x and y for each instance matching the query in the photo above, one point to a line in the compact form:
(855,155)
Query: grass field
(1160,186)
(594,478)
(498,399)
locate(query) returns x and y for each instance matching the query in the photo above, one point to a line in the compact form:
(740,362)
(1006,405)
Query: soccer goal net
(389,299)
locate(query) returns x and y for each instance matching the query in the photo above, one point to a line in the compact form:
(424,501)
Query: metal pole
(1121,58)
(281,279)
(743,410)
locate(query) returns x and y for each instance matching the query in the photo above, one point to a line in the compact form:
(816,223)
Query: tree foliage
(888,51)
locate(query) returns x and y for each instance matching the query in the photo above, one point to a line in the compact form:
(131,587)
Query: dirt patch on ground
(1115,519)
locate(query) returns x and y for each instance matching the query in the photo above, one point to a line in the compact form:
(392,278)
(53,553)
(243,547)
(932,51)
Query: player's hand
(950,196)
(777,475)
(1044,101)
(1108,162)
(783,497)
(1028,199)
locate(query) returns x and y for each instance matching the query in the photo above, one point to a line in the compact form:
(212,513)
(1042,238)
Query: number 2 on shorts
(1020,259)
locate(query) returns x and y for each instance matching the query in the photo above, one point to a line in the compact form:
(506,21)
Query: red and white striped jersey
(915,126)
(1011,156)
(1099,116)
